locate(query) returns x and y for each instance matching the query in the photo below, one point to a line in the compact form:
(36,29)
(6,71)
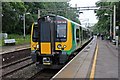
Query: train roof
(67,20)
(73,22)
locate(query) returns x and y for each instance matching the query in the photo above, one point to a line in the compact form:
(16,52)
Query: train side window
(77,35)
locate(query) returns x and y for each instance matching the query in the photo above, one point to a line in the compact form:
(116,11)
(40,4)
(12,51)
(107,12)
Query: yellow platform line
(92,74)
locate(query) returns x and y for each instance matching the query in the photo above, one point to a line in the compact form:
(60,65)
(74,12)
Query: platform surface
(107,60)
(106,66)
(80,65)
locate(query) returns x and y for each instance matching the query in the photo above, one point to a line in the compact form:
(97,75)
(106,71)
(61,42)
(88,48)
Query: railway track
(26,69)
(15,66)
(15,61)
(45,74)
(10,57)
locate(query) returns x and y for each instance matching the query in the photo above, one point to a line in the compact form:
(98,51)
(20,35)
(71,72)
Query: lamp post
(110,23)
(114,23)
(117,37)
(38,13)
(78,15)
(86,22)
(115,27)
(24,23)
(111,26)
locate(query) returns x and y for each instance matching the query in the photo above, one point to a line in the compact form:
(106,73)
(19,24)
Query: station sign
(60,21)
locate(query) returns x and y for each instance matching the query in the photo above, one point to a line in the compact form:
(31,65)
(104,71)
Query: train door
(46,36)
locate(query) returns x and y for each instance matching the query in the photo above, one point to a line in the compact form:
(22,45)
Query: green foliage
(103,25)
(12,19)
(18,38)
(1,42)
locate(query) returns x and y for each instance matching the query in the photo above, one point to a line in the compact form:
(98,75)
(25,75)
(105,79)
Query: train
(54,40)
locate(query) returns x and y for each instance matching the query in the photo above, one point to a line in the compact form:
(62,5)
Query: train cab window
(77,35)
(35,33)
(61,32)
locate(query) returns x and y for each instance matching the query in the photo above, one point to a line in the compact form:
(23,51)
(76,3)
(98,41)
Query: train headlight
(34,46)
(59,46)
(37,46)
(64,46)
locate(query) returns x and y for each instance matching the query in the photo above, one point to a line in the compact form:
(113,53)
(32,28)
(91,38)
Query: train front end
(51,40)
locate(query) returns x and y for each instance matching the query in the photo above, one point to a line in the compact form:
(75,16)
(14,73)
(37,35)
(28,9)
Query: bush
(18,38)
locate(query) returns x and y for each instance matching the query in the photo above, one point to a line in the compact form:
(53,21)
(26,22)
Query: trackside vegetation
(103,24)
(12,14)
(18,38)
(12,17)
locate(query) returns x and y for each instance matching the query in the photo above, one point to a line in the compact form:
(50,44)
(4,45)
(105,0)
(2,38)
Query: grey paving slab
(119,62)
(79,66)
(107,60)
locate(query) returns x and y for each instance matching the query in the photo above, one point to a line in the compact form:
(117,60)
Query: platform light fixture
(24,22)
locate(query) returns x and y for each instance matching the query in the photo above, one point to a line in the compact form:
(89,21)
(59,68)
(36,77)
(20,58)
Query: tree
(104,21)
(12,20)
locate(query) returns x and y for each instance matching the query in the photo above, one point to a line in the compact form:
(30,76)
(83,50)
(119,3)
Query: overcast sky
(87,16)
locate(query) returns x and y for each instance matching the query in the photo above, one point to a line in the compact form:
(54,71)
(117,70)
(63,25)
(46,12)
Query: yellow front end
(46,46)
(68,44)
(48,52)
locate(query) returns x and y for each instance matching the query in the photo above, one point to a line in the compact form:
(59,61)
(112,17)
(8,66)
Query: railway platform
(7,49)
(98,60)
(107,60)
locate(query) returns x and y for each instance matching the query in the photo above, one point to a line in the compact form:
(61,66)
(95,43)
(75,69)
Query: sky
(87,16)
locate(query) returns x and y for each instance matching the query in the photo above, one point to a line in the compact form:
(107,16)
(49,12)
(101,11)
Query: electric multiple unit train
(55,38)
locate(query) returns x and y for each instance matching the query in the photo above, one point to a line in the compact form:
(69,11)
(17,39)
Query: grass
(18,38)
(1,42)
